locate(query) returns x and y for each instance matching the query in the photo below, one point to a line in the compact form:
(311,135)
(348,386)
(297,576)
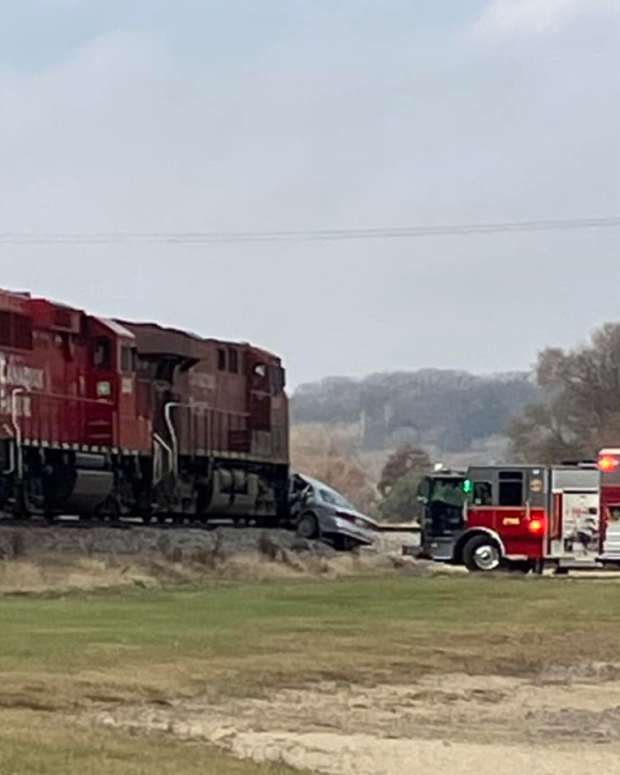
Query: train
(107,418)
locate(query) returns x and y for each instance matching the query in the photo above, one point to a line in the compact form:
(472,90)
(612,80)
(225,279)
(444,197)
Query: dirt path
(365,755)
(563,722)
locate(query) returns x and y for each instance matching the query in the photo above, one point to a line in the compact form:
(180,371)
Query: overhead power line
(304,235)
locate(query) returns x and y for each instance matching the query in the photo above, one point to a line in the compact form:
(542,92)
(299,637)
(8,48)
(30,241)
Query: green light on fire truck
(468,486)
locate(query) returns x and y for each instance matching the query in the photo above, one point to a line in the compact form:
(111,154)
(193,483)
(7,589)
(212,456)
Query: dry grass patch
(40,744)
(53,573)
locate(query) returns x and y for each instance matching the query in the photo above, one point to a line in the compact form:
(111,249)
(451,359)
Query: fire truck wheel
(482,555)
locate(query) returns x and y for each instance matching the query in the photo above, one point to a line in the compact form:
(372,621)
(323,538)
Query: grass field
(35,744)
(59,655)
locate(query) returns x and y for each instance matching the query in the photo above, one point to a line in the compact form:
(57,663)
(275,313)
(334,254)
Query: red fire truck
(522,517)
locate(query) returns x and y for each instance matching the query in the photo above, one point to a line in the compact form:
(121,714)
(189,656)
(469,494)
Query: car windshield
(335,499)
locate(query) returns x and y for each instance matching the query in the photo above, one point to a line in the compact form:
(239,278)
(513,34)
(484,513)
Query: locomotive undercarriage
(207,488)
(49,483)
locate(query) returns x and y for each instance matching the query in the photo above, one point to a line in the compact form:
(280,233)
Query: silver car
(320,512)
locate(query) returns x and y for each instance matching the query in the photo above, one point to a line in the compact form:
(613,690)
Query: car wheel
(482,555)
(308,527)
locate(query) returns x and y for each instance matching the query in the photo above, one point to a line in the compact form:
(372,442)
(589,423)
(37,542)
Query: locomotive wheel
(308,527)
(482,555)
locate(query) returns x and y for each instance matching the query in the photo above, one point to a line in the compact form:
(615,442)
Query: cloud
(540,16)
(196,121)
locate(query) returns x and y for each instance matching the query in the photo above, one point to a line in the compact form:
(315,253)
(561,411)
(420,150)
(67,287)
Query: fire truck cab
(523,517)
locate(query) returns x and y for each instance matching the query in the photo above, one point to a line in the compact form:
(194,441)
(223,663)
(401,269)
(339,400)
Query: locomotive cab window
(221,359)
(22,332)
(5,329)
(128,359)
(102,354)
(16,331)
(278,380)
(260,378)
(511,488)
(233,361)
(146,368)
(67,345)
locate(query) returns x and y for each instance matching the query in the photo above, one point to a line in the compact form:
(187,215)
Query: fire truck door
(508,502)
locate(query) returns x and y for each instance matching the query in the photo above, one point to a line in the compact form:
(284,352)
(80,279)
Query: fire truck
(519,517)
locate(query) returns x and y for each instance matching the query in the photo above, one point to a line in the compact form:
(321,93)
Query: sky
(233,115)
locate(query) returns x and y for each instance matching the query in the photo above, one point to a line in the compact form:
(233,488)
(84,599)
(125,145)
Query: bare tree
(580,411)
(405,461)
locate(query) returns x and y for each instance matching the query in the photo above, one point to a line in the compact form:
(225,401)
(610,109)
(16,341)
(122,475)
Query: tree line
(434,408)
(578,412)
(575,413)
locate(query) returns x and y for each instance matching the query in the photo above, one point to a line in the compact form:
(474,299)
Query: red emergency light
(607,464)
(536,526)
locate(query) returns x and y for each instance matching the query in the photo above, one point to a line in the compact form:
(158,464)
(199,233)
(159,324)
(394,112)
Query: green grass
(61,654)
(193,639)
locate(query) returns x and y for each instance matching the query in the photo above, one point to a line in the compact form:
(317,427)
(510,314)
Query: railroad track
(128,524)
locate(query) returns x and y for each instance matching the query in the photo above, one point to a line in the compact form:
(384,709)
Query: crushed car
(318,512)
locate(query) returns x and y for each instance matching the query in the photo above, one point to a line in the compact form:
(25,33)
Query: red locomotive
(109,418)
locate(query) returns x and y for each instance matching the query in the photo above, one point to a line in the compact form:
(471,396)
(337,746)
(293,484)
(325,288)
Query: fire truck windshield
(443,498)
(448,491)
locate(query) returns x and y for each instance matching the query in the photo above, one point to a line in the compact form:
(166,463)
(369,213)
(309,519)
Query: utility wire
(304,235)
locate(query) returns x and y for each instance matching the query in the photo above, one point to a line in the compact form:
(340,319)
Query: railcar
(105,418)
(220,425)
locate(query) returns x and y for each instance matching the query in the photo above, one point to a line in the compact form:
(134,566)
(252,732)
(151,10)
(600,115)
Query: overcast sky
(237,115)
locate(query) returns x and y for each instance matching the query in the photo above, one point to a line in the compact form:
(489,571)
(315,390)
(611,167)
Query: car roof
(317,483)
